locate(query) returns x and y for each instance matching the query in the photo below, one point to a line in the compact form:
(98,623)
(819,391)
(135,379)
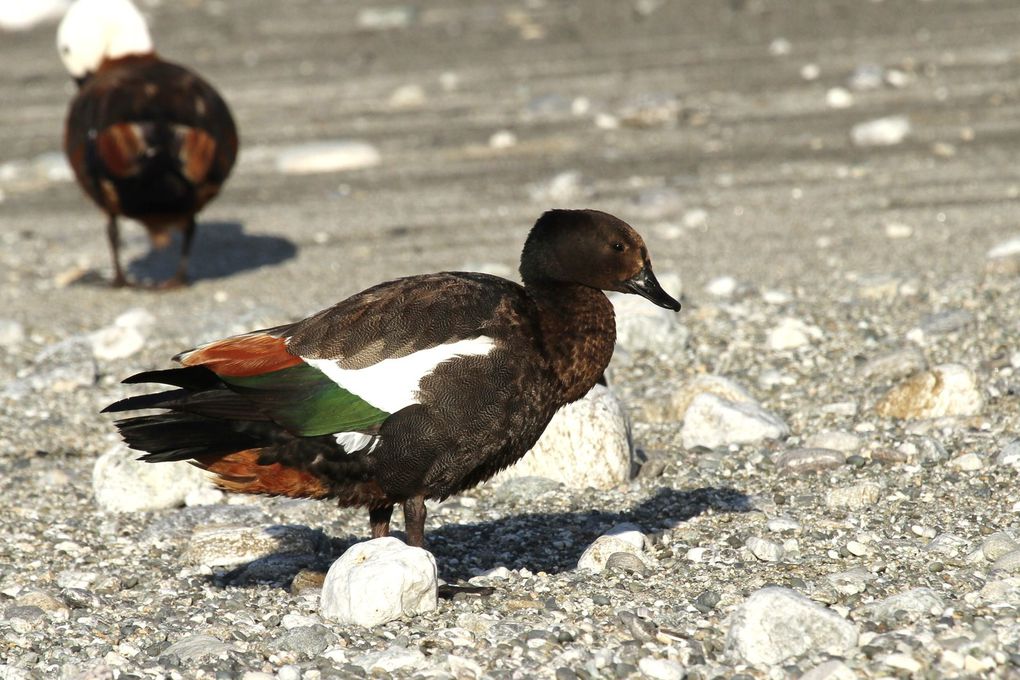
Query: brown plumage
(412,389)
(146,138)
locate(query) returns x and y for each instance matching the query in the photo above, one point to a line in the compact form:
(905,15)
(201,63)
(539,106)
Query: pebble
(1010,562)
(912,605)
(386,18)
(997,545)
(587,444)
(1009,248)
(502,139)
(197,648)
(722,286)
(903,662)
(711,422)
(121,483)
(410,96)
(866,77)
(305,641)
(1010,454)
(626,538)
(851,581)
(23,16)
(835,440)
(945,390)
(783,523)
(802,461)
(661,669)
(968,462)
(326,156)
(379,581)
(946,322)
(12,334)
(776,624)
(626,561)
(898,230)
(839,98)
(564,188)
(855,497)
(765,550)
(227,546)
(881,132)
(792,333)
(830,670)
(59,368)
(895,364)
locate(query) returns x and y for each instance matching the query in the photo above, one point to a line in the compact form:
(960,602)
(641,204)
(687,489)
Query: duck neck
(578,332)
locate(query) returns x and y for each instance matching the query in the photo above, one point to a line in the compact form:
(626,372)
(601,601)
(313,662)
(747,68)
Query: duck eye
(618,247)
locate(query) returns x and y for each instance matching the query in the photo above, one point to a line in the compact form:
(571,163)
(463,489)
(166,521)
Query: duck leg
(414,521)
(181,277)
(113,235)
(379,519)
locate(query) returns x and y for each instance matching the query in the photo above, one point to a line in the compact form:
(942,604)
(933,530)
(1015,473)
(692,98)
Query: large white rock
(945,390)
(625,538)
(121,483)
(775,624)
(587,443)
(379,581)
(712,421)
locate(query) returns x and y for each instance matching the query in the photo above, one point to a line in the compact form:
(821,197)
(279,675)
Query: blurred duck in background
(147,139)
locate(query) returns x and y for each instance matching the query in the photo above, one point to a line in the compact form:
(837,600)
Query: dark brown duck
(415,388)
(147,139)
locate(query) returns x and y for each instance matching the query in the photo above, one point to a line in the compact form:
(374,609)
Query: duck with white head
(148,139)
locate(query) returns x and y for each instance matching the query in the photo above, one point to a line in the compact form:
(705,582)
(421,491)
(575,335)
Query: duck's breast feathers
(141,107)
(348,368)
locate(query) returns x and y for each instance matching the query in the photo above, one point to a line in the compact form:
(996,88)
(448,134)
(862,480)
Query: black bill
(647,286)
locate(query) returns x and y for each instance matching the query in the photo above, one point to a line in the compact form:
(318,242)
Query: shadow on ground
(542,541)
(220,249)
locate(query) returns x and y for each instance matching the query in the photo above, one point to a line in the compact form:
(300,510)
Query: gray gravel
(818,274)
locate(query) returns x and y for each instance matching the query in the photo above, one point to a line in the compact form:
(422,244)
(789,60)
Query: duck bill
(647,286)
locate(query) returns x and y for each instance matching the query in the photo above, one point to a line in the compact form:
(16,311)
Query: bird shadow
(220,249)
(538,541)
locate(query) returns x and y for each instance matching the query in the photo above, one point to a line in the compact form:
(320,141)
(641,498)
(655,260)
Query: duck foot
(449,592)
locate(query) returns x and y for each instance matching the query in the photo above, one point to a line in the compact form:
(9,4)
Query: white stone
(411,96)
(198,647)
(881,132)
(19,15)
(945,390)
(390,659)
(1010,562)
(711,421)
(121,483)
(968,462)
(116,342)
(792,333)
(326,156)
(722,286)
(830,670)
(1010,454)
(839,98)
(502,139)
(837,440)
(810,71)
(661,669)
(1008,248)
(855,497)
(913,604)
(626,538)
(562,189)
(783,523)
(379,581)
(588,443)
(775,624)
(765,550)
(903,662)
(857,548)
(231,545)
(898,230)
(12,334)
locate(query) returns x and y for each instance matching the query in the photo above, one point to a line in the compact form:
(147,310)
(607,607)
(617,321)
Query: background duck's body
(416,388)
(147,139)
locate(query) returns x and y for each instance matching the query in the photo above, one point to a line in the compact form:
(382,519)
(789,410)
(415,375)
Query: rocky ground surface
(828,442)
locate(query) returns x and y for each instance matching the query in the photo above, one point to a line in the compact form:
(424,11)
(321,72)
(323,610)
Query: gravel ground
(823,265)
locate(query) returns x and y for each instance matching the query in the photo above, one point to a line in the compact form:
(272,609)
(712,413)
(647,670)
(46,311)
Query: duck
(417,388)
(147,139)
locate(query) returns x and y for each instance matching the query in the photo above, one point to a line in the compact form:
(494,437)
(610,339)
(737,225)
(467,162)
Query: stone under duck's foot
(449,592)
(178,281)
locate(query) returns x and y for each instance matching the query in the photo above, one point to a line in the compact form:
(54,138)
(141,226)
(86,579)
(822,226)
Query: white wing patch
(392,384)
(356,441)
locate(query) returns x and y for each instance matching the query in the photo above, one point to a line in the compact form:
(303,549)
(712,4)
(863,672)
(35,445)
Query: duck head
(94,30)
(594,249)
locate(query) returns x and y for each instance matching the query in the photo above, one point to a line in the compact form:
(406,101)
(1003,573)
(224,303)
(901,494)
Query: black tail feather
(188,378)
(184,436)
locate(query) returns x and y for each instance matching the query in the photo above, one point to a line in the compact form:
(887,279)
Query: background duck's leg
(181,277)
(113,234)
(414,521)
(379,518)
